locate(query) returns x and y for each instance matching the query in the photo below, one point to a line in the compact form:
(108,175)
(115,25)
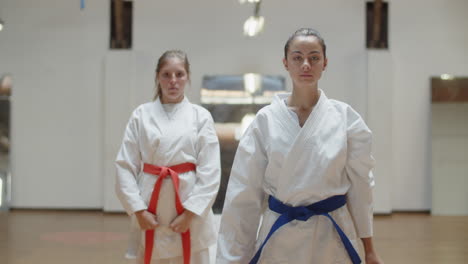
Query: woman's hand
(182,222)
(371,255)
(146,220)
(372,258)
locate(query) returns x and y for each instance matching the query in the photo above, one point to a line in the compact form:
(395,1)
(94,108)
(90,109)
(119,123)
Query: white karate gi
(168,135)
(330,155)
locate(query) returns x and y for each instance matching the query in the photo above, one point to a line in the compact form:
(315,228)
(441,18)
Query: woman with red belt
(168,172)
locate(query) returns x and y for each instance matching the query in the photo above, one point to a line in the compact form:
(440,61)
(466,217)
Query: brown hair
(162,61)
(305,32)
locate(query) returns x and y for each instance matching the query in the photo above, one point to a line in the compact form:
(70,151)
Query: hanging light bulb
(447,76)
(253,25)
(250,1)
(1,25)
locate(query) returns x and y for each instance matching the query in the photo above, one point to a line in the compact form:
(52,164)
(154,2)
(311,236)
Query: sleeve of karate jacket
(208,174)
(128,164)
(359,169)
(244,200)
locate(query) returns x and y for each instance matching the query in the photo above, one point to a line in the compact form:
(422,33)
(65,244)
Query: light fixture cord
(257,9)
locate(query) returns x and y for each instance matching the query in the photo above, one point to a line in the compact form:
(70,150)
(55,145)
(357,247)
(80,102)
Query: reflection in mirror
(6,84)
(233,101)
(5,92)
(250,88)
(449,140)
(448,88)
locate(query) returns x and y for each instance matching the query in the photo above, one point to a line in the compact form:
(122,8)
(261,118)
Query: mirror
(6,83)
(233,101)
(449,145)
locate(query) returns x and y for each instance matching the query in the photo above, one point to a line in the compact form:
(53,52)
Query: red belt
(163,172)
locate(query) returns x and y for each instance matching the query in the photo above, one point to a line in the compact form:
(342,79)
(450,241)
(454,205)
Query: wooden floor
(77,237)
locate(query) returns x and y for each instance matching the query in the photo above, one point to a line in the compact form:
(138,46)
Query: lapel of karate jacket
(303,142)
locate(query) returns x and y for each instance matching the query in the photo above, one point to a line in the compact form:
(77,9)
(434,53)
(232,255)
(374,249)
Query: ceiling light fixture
(248,1)
(447,76)
(254,24)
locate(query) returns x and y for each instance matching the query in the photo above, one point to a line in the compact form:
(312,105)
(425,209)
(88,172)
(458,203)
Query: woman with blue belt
(300,189)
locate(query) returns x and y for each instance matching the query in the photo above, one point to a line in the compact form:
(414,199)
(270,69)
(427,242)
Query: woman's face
(172,79)
(305,61)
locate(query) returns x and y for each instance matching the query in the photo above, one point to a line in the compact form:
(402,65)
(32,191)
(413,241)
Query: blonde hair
(162,61)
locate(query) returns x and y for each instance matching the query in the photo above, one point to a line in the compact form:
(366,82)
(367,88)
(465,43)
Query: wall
(427,38)
(215,43)
(55,54)
(449,158)
(380,74)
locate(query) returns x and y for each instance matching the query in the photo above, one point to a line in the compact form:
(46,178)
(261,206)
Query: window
(121,24)
(377,25)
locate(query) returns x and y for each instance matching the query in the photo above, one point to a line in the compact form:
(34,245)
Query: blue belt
(303,213)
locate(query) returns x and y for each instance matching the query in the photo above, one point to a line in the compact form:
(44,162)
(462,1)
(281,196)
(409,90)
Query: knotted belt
(303,213)
(163,172)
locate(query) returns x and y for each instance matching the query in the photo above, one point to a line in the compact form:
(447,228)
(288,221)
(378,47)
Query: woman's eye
(166,75)
(180,74)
